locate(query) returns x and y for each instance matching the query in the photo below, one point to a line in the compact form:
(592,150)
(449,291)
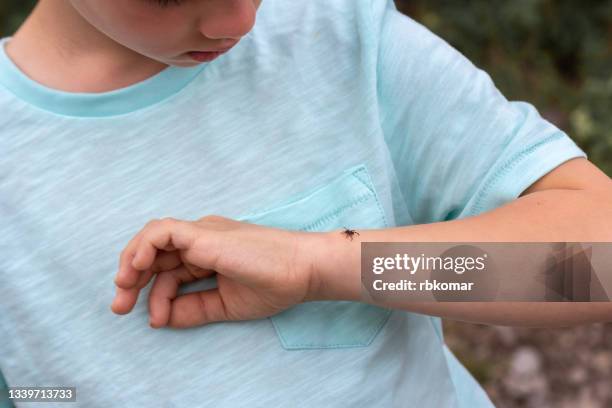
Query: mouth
(206,56)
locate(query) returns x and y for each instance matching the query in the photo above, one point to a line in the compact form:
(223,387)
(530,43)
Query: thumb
(197,308)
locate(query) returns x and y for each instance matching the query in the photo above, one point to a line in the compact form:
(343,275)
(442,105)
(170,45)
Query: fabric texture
(328,113)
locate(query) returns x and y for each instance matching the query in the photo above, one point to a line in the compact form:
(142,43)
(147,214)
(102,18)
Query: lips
(205,56)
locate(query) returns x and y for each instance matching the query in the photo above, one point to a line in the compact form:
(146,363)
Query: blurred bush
(12,13)
(556,54)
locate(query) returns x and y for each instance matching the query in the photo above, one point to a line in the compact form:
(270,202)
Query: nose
(228,19)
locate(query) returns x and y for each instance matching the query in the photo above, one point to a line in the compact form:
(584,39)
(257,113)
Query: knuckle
(168,220)
(212,218)
(150,223)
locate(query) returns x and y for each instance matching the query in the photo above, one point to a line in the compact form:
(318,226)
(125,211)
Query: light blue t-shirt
(329,113)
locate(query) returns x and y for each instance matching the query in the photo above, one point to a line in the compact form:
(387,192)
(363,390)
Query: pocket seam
(336,212)
(370,185)
(314,346)
(372,193)
(299,197)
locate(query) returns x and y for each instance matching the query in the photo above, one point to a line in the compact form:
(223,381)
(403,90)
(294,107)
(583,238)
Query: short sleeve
(459,147)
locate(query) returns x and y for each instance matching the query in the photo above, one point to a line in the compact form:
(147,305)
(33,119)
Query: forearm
(543,216)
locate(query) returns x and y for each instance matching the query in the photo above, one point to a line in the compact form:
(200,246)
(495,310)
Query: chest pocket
(349,200)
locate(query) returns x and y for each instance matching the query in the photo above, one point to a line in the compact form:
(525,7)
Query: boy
(323,113)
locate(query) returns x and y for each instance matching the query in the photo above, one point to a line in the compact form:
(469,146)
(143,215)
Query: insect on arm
(349,233)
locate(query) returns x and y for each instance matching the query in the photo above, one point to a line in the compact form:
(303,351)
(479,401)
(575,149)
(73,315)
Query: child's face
(166,30)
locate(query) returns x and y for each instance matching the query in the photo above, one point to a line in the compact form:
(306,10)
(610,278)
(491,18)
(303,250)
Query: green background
(556,54)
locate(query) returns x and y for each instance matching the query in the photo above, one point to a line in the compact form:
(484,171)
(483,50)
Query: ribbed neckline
(119,101)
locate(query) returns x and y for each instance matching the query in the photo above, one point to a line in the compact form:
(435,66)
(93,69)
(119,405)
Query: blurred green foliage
(12,13)
(556,54)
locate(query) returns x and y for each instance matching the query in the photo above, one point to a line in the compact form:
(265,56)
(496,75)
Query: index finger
(165,234)
(125,299)
(127,276)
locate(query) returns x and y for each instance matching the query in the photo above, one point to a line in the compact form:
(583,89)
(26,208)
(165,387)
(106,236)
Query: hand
(260,270)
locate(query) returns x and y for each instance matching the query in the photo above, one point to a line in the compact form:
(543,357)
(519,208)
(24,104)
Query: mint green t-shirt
(329,113)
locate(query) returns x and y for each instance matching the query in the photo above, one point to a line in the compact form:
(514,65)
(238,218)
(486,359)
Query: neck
(58,48)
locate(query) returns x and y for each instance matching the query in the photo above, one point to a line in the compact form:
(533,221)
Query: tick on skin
(349,233)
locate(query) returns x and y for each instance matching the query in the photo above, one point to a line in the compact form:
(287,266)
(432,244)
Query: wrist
(333,264)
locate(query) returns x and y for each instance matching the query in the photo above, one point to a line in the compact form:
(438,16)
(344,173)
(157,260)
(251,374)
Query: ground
(519,367)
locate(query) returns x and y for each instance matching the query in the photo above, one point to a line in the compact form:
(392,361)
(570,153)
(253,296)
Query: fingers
(127,276)
(139,255)
(142,258)
(166,261)
(162,234)
(125,299)
(197,308)
(164,290)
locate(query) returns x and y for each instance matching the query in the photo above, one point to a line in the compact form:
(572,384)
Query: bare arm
(572,203)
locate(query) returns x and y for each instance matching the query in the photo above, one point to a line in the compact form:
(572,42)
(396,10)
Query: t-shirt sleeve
(459,147)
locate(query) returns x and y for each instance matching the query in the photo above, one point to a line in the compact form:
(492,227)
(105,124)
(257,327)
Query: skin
(101,45)
(261,271)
